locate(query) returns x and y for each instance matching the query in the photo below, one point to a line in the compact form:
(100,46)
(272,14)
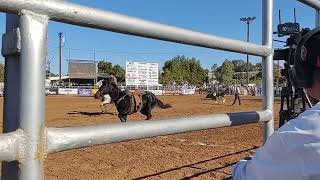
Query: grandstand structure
(80,72)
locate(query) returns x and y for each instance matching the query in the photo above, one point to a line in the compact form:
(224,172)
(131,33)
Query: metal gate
(27,141)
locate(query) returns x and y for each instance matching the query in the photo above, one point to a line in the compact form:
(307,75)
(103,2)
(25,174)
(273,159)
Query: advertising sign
(84,92)
(67,91)
(142,73)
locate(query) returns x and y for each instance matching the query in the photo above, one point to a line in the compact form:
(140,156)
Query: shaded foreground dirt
(206,154)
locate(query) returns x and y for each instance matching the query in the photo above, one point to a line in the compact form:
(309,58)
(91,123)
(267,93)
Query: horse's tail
(161,105)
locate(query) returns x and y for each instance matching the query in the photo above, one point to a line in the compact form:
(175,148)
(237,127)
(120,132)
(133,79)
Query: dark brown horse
(218,96)
(126,103)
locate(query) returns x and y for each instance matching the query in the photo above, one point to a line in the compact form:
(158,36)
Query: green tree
(214,68)
(105,67)
(118,71)
(276,70)
(225,75)
(258,67)
(241,66)
(227,72)
(181,69)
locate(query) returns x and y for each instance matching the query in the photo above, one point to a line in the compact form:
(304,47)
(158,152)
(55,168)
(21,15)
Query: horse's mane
(122,92)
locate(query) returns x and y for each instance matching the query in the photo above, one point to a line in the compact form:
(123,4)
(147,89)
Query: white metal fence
(26,139)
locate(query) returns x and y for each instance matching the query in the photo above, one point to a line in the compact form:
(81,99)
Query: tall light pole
(60,56)
(248,20)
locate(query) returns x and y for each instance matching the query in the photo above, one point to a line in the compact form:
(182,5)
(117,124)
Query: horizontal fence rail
(9,145)
(316,5)
(89,17)
(312,3)
(61,139)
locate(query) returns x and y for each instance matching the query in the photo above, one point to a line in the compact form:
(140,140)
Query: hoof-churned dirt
(207,154)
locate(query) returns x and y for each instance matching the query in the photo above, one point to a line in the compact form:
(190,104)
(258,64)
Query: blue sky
(220,18)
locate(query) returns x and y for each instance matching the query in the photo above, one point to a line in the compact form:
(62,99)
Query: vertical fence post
(267,65)
(34,30)
(11,99)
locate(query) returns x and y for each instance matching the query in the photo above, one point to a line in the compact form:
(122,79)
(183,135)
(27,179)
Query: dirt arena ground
(206,154)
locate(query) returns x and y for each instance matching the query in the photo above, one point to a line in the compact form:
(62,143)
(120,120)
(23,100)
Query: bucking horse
(218,96)
(129,102)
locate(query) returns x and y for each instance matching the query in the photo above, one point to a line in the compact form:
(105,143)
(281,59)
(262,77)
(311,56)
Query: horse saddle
(137,99)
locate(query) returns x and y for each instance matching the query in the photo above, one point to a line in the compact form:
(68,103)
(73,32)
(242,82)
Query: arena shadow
(213,170)
(200,162)
(90,113)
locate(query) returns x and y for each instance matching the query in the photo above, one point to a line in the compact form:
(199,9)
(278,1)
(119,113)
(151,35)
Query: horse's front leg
(103,108)
(103,105)
(149,116)
(148,111)
(123,118)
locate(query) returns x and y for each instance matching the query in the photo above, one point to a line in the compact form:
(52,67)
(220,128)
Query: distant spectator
(237,95)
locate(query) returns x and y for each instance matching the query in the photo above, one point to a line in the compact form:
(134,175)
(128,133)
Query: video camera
(294,97)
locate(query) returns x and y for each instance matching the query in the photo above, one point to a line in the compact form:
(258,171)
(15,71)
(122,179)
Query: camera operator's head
(306,71)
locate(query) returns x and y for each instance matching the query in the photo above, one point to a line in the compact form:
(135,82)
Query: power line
(128,52)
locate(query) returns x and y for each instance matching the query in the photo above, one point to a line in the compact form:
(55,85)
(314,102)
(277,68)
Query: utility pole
(49,71)
(248,20)
(94,60)
(60,56)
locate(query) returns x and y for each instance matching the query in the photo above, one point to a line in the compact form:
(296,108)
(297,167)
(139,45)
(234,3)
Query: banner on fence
(67,91)
(187,91)
(84,92)
(51,91)
(157,92)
